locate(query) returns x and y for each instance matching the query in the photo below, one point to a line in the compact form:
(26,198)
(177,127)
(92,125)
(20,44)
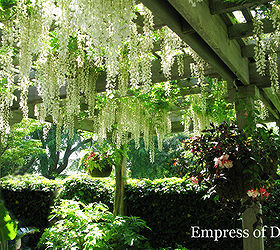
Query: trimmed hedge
(88,190)
(169,206)
(29,198)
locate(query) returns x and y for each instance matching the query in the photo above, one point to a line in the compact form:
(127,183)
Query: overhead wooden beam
(246,29)
(188,86)
(228,19)
(213,31)
(247,15)
(163,10)
(273,97)
(219,7)
(157,76)
(248,50)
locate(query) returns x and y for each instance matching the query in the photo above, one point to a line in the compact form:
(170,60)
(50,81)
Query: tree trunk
(22,170)
(120,177)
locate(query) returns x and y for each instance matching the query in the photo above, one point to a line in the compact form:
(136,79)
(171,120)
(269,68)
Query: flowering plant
(233,164)
(258,192)
(98,164)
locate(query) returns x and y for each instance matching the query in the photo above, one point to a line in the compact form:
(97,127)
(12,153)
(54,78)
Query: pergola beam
(157,76)
(273,97)
(188,86)
(248,50)
(246,29)
(247,14)
(213,31)
(163,10)
(219,7)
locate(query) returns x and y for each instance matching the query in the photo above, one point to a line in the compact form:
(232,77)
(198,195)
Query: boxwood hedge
(88,190)
(172,206)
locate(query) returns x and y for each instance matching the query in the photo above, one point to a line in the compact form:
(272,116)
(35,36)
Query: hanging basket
(105,172)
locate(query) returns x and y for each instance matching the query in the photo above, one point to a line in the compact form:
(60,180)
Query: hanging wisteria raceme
(146,46)
(170,47)
(266,46)
(259,46)
(134,55)
(40,112)
(262,110)
(31,22)
(6,92)
(130,117)
(88,35)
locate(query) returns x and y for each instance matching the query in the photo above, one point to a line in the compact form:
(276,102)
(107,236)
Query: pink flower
(228,164)
(223,162)
(217,162)
(258,192)
(253,193)
(194,180)
(263,192)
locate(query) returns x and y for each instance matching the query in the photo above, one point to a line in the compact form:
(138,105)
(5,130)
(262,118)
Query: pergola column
(244,106)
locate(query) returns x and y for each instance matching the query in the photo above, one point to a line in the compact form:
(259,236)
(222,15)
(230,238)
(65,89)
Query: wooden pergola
(210,31)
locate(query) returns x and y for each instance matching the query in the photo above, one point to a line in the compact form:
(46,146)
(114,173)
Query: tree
(165,160)
(54,160)
(17,149)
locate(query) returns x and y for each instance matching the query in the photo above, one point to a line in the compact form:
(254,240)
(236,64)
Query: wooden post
(120,177)
(244,106)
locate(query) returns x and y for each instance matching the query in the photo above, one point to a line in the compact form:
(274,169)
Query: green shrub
(20,183)
(271,211)
(88,190)
(80,226)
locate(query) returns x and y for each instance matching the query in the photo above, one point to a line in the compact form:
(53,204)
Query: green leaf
(8,227)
